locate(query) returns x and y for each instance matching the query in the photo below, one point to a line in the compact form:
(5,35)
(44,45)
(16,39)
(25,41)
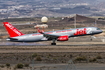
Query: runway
(51,45)
(50,48)
(48,43)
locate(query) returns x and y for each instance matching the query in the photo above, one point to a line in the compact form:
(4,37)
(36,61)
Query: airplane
(59,35)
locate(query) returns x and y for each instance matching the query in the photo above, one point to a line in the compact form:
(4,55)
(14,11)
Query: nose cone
(97,31)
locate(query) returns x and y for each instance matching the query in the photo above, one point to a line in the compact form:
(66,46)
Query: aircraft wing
(52,36)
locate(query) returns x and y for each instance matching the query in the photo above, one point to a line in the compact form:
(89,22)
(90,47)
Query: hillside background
(55,8)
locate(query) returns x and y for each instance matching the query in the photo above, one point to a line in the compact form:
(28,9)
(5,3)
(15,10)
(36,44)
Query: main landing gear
(53,43)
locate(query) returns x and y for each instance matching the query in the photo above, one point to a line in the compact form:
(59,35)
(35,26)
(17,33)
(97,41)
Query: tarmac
(82,66)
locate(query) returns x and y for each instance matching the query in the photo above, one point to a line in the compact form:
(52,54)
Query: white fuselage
(70,32)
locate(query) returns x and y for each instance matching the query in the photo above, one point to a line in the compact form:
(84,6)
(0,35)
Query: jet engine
(63,38)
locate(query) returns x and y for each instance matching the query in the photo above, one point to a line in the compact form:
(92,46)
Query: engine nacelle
(63,38)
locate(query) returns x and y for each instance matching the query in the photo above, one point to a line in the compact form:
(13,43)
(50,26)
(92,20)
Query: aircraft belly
(36,38)
(31,38)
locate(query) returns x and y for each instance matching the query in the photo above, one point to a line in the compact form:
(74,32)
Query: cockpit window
(98,28)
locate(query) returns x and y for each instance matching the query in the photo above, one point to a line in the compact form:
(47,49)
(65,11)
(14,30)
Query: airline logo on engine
(80,31)
(14,29)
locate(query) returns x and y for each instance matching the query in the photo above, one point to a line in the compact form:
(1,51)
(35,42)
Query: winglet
(40,31)
(12,31)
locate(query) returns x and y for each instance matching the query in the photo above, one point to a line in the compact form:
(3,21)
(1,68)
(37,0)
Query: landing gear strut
(53,43)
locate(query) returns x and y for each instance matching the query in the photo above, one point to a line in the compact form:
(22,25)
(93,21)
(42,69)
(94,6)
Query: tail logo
(14,29)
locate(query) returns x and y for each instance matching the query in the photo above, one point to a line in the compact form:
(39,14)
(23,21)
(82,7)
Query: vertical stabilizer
(12,31)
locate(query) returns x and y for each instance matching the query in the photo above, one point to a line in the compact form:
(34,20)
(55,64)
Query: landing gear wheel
(53,43)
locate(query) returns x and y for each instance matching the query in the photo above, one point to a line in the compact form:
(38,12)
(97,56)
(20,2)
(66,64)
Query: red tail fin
(12,31)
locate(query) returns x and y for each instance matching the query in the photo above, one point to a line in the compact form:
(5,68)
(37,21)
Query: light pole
(71,65)
(95,24)
(75,20)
